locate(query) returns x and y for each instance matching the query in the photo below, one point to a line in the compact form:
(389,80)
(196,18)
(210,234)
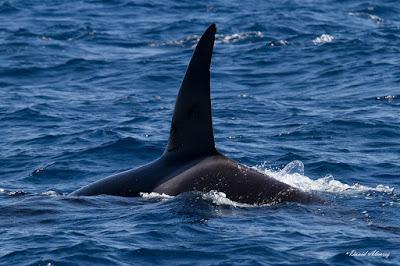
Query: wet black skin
(190,161)
(205,173)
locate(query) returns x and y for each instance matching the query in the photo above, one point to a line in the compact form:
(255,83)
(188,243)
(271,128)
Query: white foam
(189,39)
(155,195)
(324,38)
(216,197)
(389,98)
(374,18)
(278,43)
(219,198)
(51,193)
(16,193)
(293,174)
(219,38)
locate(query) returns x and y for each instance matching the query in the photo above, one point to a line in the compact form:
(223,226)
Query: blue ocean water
(307,91)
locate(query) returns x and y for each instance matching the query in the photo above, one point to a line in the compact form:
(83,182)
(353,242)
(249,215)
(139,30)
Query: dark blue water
(307,91)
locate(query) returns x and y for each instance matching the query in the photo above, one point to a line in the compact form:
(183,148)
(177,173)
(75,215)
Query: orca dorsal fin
(191,131)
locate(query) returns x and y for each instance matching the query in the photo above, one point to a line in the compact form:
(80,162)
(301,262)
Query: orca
(190,161)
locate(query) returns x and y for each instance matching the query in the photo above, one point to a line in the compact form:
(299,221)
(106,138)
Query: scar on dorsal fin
(191,131)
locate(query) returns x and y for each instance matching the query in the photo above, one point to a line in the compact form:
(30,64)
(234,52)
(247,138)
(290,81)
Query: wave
(324,38)
(215,197)
(77,64)
(51,193)
(69,33)
(7,8)
(52,171)
(277,43)
(29,114)
(388,98)
(220,198)
(60,32)
(192,40)
(155,195)
(251,35)
(125,147)
(364,15)
(21,192)
(13,193)
(121,145)
(293,174)
(241,37)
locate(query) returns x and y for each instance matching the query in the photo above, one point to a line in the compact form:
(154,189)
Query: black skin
(173,176)
(190,161)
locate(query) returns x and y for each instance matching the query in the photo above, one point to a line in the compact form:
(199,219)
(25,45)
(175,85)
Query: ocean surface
(306,91)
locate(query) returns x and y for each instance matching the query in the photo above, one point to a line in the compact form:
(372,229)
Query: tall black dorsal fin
(191,129)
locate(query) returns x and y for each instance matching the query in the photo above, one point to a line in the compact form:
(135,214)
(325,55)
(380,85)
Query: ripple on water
(7,8)
(192,40)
